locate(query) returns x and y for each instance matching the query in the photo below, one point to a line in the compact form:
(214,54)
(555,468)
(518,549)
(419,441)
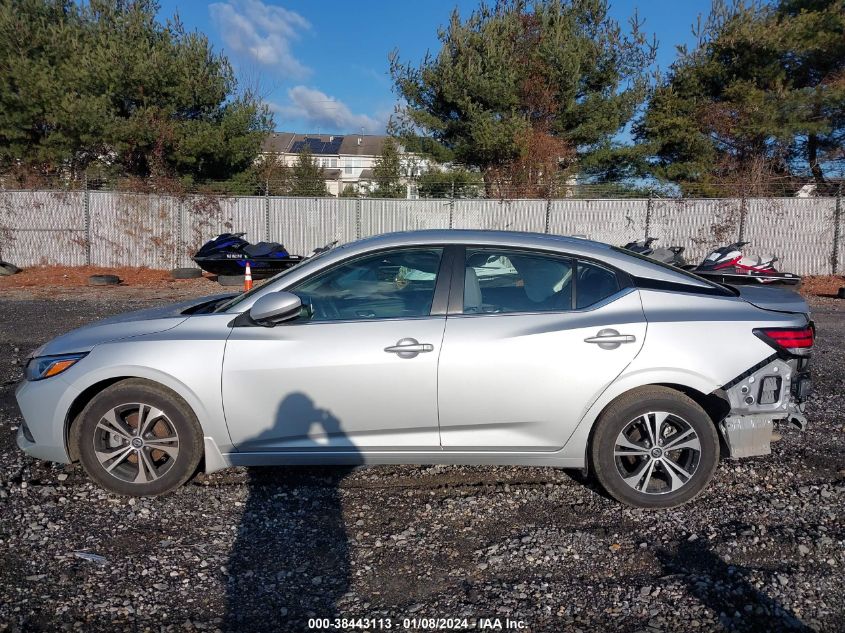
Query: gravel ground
(266,549)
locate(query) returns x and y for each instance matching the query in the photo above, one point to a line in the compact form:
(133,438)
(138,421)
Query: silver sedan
(433,347)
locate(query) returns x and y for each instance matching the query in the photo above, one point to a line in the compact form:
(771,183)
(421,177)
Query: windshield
(726,289)
(236,300)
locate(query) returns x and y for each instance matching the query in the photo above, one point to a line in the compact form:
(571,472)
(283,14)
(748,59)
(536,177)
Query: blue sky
(323,65)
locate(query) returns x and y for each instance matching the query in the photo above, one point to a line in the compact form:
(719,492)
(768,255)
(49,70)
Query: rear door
(534,339)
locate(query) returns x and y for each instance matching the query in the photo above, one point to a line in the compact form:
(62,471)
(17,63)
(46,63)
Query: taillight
(795,340)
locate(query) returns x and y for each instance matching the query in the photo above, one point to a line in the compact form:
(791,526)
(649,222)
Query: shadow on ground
(290,559)
(725,589)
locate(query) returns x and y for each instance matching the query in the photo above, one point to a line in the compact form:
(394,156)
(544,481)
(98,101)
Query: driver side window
(388,285)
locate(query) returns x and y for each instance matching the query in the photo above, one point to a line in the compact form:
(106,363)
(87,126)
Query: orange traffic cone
(248,278)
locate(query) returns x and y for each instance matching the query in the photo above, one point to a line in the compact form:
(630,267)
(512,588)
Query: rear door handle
(409,348)
(610,339)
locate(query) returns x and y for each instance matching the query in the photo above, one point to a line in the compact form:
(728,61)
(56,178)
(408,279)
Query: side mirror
(275,307)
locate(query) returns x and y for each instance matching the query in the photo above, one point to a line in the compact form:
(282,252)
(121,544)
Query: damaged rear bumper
(774,390)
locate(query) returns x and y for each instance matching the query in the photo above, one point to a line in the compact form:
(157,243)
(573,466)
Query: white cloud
(262,33)
(325,112)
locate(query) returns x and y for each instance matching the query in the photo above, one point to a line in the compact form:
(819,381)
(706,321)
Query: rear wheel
(138,438)
(655,448)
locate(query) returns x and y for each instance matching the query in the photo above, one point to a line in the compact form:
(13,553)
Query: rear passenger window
(593,284)
(501,281)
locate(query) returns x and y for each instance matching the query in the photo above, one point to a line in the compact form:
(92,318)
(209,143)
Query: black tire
(230,280)
(8,269)
(625,411)
(186,273)
(176,417)
(103,280)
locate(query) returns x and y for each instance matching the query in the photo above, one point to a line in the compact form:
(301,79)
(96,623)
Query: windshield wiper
(208,306)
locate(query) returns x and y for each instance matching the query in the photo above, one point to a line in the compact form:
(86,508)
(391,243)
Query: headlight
(42,367)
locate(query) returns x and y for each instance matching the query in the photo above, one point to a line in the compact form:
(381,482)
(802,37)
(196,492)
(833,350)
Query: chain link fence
(106,228)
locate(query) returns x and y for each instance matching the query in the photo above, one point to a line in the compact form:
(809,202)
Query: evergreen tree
(812,47)
(526,92)
(307,178)
(349,191)
(387,172)
(105,82)
(758,101)
(453,183)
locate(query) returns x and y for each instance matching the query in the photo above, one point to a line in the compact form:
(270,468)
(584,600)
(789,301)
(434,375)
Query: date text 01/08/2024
(441,624)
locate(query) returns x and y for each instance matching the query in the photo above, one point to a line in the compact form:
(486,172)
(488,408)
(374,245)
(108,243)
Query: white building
(348,159)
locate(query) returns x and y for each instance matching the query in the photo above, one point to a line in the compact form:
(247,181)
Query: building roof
(277,142)
(324,144)
(362,144)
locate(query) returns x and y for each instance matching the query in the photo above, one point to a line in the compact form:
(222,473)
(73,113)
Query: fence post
(648,208)
(837,221)
(548,214)
(177,242)
(86,210)
(743,210)
(267,210)
(358,218)
(452,207)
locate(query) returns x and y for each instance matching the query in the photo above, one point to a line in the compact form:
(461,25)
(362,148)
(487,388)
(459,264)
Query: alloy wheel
(136,443)
(657,453)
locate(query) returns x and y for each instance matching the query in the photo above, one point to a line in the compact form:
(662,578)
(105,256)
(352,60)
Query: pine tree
(452,183)
(525,92)
(307,178)
(387,172)
(759,101)
(105,83)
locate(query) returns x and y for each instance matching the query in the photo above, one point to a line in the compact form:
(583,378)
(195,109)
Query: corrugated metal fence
(131,229)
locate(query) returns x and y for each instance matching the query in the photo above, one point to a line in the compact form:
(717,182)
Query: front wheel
(138,438)
(655,448)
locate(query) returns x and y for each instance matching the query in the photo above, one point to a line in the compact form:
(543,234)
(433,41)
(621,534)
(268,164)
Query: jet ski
(228,254)
(671,255)
(728,265)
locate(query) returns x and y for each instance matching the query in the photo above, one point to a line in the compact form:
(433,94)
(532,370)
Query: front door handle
(409,348)
(610,339)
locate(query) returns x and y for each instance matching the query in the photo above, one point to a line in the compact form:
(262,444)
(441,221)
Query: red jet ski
(729,265)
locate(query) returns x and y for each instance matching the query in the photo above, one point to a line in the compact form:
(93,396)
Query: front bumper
(44,405)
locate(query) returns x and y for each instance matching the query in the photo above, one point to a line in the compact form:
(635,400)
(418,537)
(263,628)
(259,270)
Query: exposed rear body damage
(774,392)
(761,380)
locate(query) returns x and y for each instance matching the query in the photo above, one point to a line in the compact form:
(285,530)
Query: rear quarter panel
(698,341)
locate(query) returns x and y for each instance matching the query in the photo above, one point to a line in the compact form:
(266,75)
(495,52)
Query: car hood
(774,298)
(123,326)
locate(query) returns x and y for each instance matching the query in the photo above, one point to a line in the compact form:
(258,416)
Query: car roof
(576,246)
(475,236)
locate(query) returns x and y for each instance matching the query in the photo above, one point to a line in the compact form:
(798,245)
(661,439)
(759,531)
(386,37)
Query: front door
(539,338)
(356,372)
